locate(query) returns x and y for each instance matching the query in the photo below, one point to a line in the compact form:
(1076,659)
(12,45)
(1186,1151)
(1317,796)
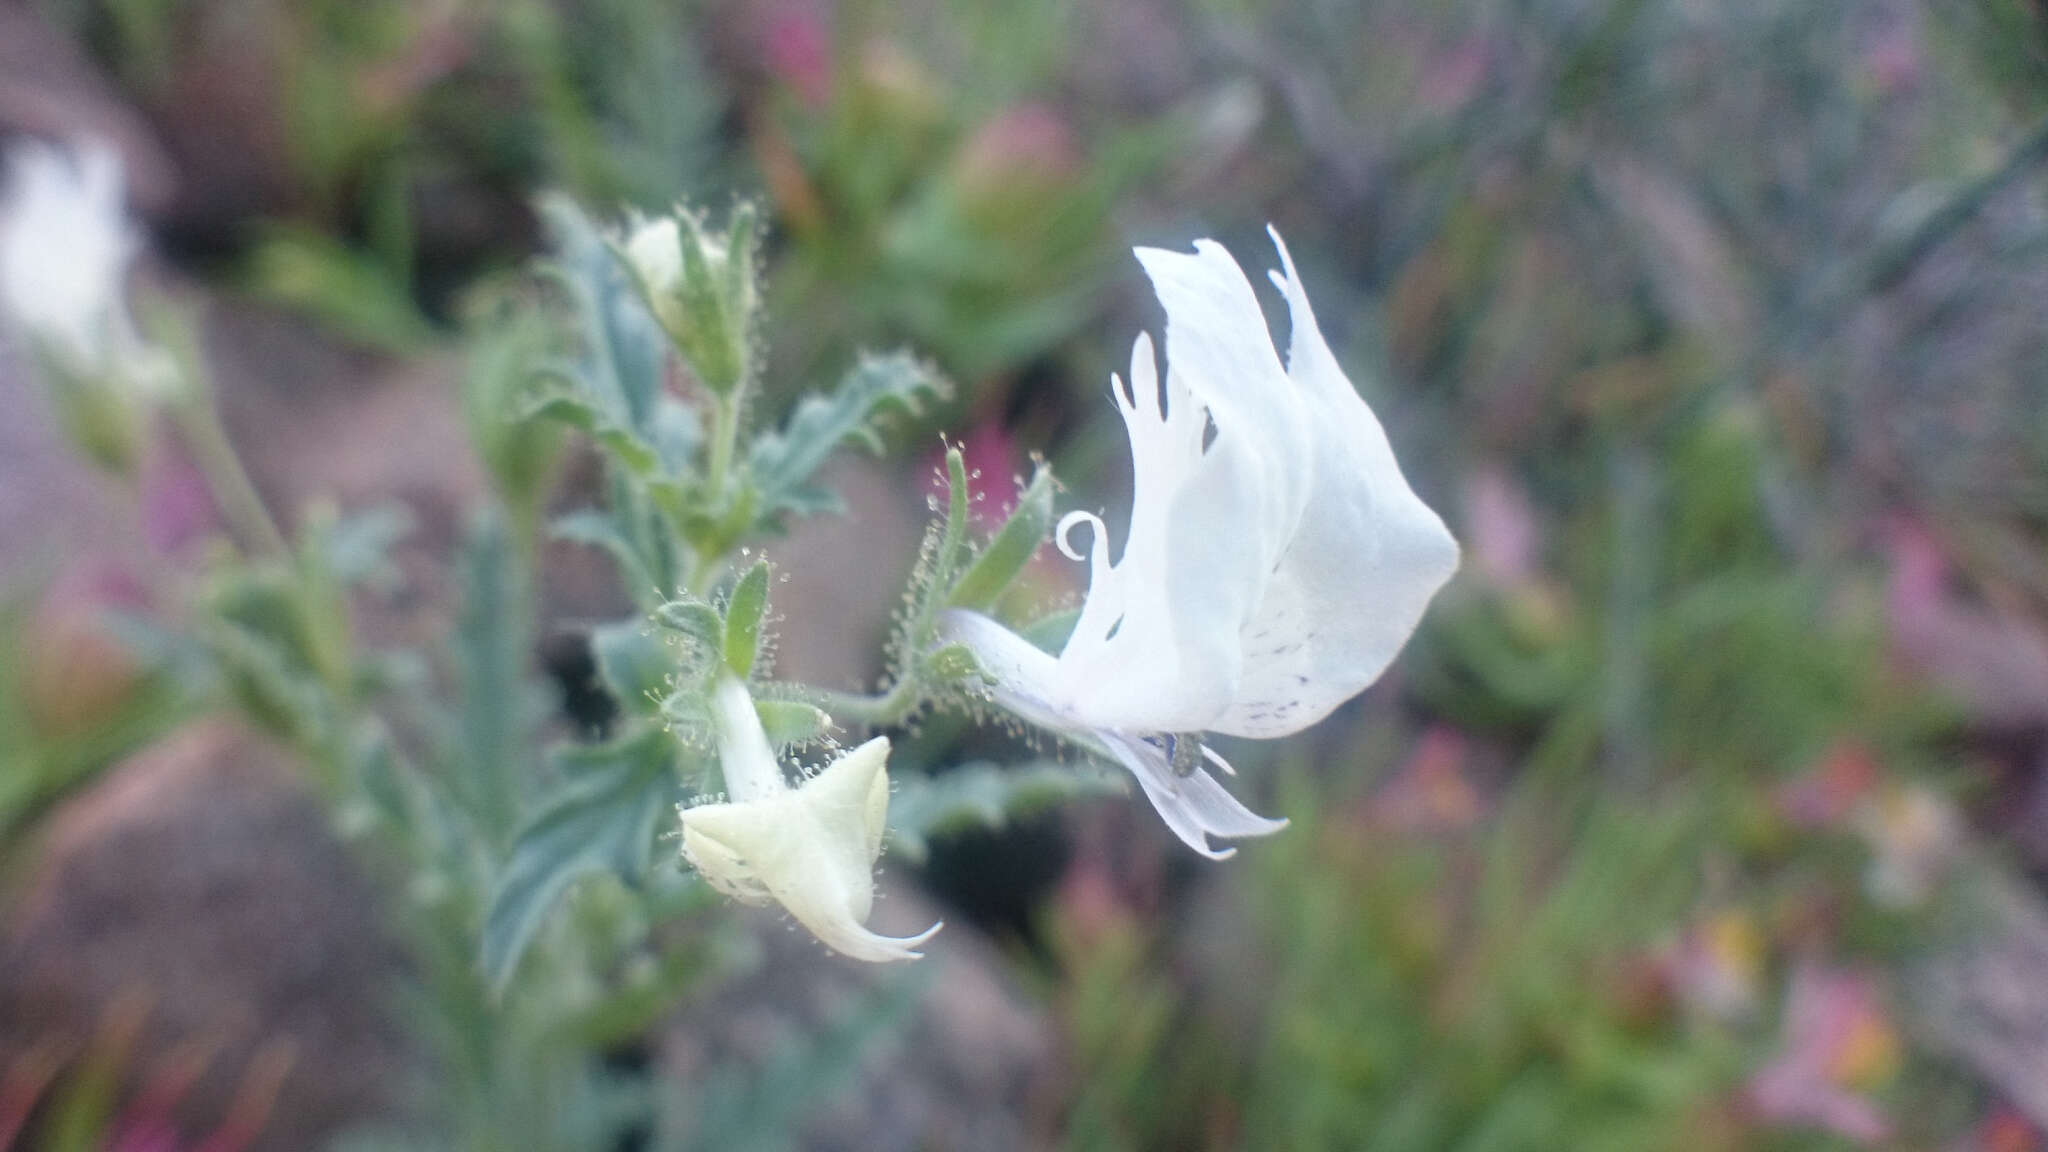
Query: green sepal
(1010,549)
(635,665)
(743,612)
(951,664)
(792,721)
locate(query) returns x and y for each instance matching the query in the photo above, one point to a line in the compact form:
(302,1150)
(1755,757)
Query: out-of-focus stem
(233,491)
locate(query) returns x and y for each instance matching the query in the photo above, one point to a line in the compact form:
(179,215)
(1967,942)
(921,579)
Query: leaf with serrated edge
(600,819)
(784,461)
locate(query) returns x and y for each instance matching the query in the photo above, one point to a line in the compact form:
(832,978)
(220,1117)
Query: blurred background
(1708,810)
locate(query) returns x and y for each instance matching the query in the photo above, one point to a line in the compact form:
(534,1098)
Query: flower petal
(1353,582)
(1195,806)
(65,247)
(851,796)
(1209,516)
(811,849)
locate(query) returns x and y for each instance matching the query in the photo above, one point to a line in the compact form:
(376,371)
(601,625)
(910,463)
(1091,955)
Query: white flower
(811,848)
(65,247)
(1276,559)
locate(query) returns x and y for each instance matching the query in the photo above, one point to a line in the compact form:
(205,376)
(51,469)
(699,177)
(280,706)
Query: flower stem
(725,431)
(898,702)
(233,491)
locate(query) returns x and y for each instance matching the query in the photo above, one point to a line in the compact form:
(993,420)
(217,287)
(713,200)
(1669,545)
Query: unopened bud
(701,287)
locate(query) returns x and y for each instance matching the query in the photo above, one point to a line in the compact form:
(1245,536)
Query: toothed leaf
(783,462)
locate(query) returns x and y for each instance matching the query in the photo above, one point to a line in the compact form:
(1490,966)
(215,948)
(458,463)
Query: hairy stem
(890,707)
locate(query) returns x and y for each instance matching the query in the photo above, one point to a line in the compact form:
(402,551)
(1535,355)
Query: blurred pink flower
(797,50)
(1827,793)
(2007,1130)
(1838,1043)
(1993,662)
(1430,792)
(1029,147)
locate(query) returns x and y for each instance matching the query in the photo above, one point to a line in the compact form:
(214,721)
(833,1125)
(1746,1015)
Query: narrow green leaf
(491,651)
(743,620)
(939,559)
(600,819)
(953,538)
(1010,549)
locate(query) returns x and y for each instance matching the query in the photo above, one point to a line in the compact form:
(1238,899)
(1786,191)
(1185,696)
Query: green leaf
(1010,549)
(600,819)
(939,558)
(496,722)
(783,462)
(601,530)
(507,335)
(625,350)
(613,389)
(985,795)
(636,666)
(349,289)
(743,612)
(358,547)
(697,622)
(583,412)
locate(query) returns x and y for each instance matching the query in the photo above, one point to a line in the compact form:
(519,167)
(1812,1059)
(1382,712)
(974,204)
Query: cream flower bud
(655,250)
(812,848)
(700,286)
